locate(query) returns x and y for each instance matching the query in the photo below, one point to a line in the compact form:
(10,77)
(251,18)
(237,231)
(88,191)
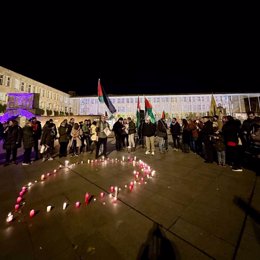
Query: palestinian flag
(138,119)
(103,98)
(148,110)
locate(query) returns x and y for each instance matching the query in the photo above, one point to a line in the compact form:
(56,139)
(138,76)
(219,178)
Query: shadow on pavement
(157,246)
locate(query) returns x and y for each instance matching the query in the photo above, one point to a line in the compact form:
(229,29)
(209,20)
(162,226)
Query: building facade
(50,98)
(174,105)
(181,105)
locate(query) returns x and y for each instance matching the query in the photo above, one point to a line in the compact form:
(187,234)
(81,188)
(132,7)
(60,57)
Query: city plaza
(132,204)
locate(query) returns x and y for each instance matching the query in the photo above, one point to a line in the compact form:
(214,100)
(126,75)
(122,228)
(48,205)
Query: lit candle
(48,208)
(112,189)
(123,158)
(135,158)
(133,163)
(77,204)
(66,163)
(60,166)
(64,206)
(10,217)
(87,197)
(54,170)
(43,177)
(24,188)
(102,194)
(48,174)
(153,173)
(88,161)
(19,199)
(32,213)
(16,206)
(116,192)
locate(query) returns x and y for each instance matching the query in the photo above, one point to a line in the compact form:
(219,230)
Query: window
(1,79)
(22,86)
(8,81)
(29,88)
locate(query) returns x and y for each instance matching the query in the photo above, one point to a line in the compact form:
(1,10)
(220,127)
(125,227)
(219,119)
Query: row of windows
(22,86)
(158,100)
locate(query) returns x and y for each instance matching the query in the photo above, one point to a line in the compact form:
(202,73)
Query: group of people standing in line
(218,140)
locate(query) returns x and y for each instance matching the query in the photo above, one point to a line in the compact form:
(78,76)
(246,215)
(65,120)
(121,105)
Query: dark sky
(135,49)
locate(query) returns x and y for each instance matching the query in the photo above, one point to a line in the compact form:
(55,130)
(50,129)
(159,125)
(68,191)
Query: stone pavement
(191,201)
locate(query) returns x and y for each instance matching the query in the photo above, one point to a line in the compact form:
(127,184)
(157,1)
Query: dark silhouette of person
(157,246)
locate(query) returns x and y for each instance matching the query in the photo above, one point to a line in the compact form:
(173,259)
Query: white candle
(123,158)
(64,206)
(66,163)
(116,192)
(10,217)
(48,208)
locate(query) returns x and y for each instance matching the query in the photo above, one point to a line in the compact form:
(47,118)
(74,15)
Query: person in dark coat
(63,138)
(12,141)
(175,130)
(47,139)
(28,142)
(207,132)
(118,129)
(37,132)
(231,133)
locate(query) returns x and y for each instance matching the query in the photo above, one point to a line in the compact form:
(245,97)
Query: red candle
(112,189)
(19,199)
(17,206)
(77,204)
(102,194)
(32,213)
(21,193)
(87,197)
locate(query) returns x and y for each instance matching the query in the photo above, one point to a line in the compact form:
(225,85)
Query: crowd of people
(224,140)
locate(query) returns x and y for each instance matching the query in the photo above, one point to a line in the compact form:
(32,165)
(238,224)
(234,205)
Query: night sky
(144,50)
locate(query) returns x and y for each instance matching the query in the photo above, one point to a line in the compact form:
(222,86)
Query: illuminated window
(22,86)
(1,79)
(8,81)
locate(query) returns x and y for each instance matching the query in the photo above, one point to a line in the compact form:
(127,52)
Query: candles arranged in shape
(144,168)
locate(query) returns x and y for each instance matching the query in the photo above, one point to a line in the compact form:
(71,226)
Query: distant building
(177,105)
(50,98)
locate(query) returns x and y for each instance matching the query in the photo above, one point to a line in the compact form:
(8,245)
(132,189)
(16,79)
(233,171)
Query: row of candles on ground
(144,168)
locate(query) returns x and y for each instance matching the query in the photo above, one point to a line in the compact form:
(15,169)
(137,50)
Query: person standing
(131,133)
(37,132)
(28,142)
(63,138)
(149,130)
(102,138)
(175,130)
(12,141)
(118,129)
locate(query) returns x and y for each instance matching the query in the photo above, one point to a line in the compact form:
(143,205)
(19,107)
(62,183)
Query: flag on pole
(149,110)
(213,107)
(103,98)
(138,119)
